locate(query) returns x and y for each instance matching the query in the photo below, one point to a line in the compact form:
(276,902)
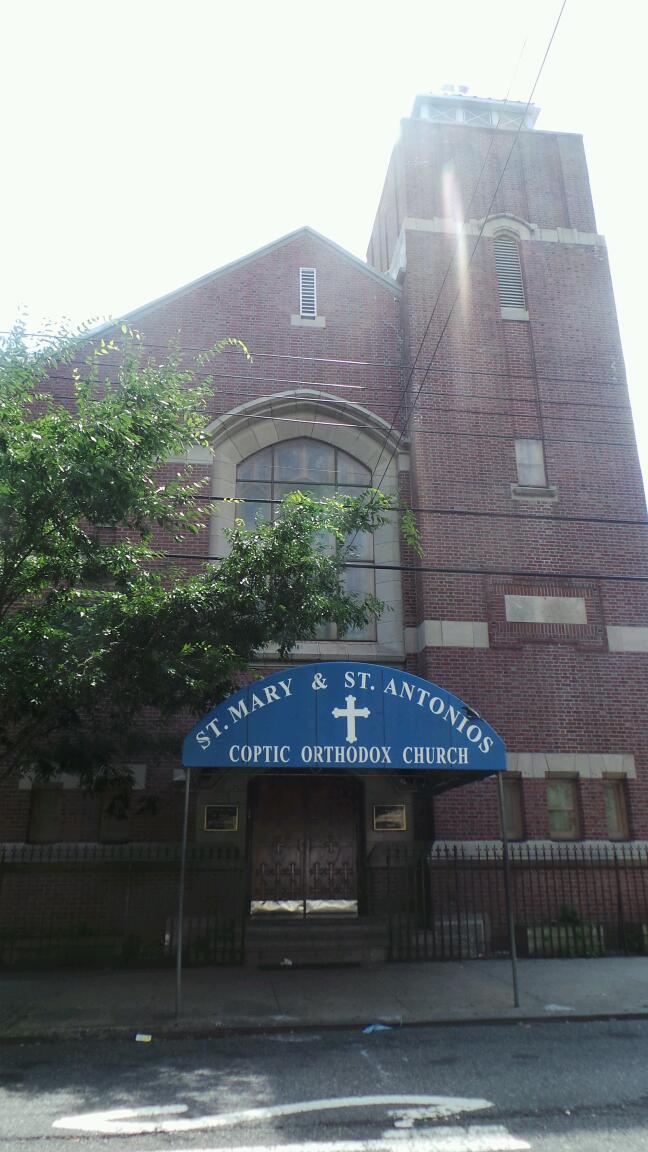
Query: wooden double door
(304,851)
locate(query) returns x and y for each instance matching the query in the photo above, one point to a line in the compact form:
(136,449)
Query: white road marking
(127,1122)
(407,1117)
(473,1138)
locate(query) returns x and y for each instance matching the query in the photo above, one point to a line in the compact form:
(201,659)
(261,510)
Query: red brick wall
(558,378)
(545,180)
(254,302)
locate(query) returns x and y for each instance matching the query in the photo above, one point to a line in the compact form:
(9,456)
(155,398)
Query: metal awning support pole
(508,892)
(181,891)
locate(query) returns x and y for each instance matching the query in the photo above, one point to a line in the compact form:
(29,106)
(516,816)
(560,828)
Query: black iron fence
(116,905)
(568,900)
(95,904)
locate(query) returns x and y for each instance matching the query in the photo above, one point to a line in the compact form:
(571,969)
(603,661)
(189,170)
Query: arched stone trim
(343,417)
(348,426)
(514,224)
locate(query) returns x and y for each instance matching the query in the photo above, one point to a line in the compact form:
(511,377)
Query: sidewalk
(69,1004)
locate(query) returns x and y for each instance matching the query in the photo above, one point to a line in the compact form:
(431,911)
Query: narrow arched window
(309,465)
(509,271)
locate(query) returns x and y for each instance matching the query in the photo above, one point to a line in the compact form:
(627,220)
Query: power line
(447,272)
(513,415)
(444,571)
(504,485)
(510,437)
(534,518)
(439,433)
(385,364)
(451,370)
(249,379)
(433,407)
(450,434)
(516,397)
(472,254)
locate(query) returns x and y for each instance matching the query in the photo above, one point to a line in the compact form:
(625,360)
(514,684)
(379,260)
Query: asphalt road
(560,1085)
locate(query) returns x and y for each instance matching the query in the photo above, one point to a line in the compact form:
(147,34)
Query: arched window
(307,465)
(509,271)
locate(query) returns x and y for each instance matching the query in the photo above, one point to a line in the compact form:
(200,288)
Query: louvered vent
(307,293)
(509,272)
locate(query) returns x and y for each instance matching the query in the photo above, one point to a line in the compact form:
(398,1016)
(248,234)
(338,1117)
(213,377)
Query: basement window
(307,294)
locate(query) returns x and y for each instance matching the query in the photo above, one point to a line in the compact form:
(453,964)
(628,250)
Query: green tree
(95,628)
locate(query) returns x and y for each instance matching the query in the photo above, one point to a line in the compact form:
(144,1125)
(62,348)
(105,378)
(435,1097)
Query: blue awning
(346,715)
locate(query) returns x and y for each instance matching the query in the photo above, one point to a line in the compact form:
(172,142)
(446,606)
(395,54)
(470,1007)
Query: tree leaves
(98,637)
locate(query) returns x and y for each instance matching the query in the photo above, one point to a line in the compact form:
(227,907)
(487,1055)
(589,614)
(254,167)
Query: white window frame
(308,293)
(530,463)
(236,435)
(508,266)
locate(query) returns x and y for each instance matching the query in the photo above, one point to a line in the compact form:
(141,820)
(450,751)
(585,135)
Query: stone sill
(530,492)
(308,322)
(372,651)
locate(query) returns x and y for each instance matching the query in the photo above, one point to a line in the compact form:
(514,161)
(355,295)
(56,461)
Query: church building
(472,365)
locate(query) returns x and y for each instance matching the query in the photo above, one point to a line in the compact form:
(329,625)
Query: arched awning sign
(345,715)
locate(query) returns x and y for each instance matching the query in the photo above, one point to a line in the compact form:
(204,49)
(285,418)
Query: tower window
(530,461)
(307,294)
(509,271)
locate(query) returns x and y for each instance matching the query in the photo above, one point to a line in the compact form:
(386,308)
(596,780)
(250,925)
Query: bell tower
(524,469)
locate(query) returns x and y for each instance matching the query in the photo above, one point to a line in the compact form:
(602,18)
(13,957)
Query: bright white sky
(147,142)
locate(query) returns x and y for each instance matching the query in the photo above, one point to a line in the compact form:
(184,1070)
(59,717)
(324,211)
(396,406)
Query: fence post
(621,920)
(507,892)
(181,888)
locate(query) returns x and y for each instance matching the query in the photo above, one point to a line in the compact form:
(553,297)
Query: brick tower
(524,466)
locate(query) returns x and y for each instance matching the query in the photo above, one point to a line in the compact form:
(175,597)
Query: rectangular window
(513,813)
(60,814)
(562,808)
(114,827)
(307,294)
(616,809)
(529,457)
(46,814)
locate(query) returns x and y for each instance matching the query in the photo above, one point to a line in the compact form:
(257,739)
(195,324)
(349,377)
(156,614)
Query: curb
(165,1032)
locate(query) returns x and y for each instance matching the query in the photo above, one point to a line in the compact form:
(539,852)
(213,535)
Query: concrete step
(316,942)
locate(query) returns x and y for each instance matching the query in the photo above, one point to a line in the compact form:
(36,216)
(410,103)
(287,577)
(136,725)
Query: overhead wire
(415,368)
(533,517)
(450,433)
(471,257)
(461,397)
(451,370)
(457,411)
(446,570)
